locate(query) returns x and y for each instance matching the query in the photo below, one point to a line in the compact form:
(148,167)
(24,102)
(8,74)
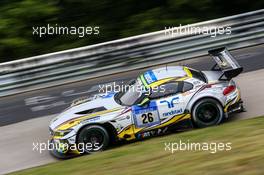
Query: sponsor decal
(91,120)
(150,77)
(172,112)
(123,118)
(152,133)
(171,103)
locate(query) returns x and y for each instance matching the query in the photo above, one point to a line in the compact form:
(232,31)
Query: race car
(156,102)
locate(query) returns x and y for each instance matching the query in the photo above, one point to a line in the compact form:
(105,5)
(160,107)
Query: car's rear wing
(226,63)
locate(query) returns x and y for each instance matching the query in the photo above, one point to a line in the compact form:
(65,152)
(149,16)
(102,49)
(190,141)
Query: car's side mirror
(144,102)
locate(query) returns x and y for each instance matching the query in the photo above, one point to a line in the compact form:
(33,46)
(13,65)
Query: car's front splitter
(63,154)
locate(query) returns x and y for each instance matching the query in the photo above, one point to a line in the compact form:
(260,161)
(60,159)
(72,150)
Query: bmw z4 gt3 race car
(156,102)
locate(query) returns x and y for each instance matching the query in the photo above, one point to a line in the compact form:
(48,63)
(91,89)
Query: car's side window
(187,86)
(166,90)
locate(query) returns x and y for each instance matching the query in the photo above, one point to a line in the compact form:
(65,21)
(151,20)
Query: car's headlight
(51,131)
(62,133)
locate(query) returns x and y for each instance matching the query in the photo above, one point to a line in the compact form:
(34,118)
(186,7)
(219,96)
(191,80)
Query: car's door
(172,102)
(175,101)
(166,101)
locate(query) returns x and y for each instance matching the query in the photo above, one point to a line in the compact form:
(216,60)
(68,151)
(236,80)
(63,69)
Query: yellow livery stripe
(70,123)
(159,82)
(188,72)
(129,131)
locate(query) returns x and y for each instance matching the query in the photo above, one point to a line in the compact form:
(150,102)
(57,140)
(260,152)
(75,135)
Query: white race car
(157,101)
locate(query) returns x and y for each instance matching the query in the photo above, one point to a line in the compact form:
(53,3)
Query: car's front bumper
(59,150)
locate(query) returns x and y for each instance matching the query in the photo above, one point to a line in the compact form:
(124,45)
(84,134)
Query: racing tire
(207,112)
(92,138)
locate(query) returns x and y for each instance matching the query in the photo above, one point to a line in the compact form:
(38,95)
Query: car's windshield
(131,94)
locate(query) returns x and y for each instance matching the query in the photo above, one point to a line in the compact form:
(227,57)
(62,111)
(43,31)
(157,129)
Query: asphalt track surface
(53,100)
(24,118)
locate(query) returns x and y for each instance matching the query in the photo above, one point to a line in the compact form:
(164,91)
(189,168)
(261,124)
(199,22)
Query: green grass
(149,157)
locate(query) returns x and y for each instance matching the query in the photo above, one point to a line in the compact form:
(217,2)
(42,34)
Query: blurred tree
(16,21)
(116,19)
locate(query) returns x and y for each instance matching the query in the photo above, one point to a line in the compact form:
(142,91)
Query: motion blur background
(116,19)
(35,90)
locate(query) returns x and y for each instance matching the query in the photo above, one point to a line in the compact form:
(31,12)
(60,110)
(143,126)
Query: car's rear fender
(206,94)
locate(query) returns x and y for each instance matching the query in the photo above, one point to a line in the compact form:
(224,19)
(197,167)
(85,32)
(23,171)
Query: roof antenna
(166,67)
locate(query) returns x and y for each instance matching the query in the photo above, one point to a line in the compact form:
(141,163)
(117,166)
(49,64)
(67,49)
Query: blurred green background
(116,19)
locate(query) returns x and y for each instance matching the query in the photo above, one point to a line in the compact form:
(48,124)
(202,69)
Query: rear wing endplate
(226,63)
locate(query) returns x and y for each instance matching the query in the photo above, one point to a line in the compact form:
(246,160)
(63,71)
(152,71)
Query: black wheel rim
(95,138)
(208,113)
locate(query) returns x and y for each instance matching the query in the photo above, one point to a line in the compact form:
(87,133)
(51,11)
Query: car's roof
(154,75)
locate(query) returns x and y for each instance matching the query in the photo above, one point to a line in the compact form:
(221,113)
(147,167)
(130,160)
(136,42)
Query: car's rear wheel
(207,112)
(92,138)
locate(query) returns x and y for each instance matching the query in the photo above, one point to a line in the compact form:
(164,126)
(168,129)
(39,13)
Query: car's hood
(95,104)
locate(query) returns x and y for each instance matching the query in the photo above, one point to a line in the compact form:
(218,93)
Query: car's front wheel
(92,138)
(207,112)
